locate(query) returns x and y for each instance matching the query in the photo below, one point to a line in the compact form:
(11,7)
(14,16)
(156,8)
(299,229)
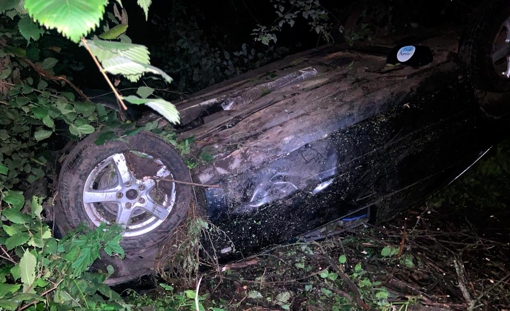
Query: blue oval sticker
(405,53)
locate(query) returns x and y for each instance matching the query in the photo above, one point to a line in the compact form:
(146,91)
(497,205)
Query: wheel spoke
(123,216)
(163,172)
(97,196)
(155,209)
(122,168)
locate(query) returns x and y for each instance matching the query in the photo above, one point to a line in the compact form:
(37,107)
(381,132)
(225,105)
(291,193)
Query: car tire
(482,45)
(130,181)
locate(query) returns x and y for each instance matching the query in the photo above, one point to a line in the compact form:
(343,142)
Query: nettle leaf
(145,4)
(73,19)
(42,134)
(166,109)
(27,266)
(114,33)
(29,29)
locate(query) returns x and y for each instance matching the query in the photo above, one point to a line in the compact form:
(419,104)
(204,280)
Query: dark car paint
(328,133)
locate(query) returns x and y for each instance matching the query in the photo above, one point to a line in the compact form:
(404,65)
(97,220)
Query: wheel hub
(112,194)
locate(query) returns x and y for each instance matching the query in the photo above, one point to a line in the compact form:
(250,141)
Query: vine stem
(103,72)
(42,295)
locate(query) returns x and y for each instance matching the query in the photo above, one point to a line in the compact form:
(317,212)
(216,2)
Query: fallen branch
(459,268)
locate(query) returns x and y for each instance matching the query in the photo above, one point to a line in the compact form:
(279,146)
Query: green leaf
(8,5)
(27,266)
(114,33)
(10,230)
(29,29)
(49,63)
(73,19)
(8,288)
(8,304)
(342,259)
(104,50)
(358,268)
(85,129)
(386,251)
(42,134)
(16,199)
(40,112)
(17,240)
(166,109)
(144,91)
(145,4)
(48,121)
(190,293)
(84,260)
(130,69)
(3,169)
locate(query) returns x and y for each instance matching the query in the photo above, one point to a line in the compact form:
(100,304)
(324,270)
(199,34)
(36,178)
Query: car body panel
(329,133)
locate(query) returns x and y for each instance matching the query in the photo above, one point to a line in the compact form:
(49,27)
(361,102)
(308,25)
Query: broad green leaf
(112,247)
(190,293)
(132,70)
(342,259)
(8,288)
(42,134)
(3,169)
(5,73)
(73,19)
(166,109)
(29,29)
(48,121)
(49,63)
(114,33)
(27,266)
(15,198)
(14,215)
(8,304)
(84,260)
(17,240)
(40,112)
(144,91)
(8,5)
(386,251)
(145,4)
(104,50)
(10,230)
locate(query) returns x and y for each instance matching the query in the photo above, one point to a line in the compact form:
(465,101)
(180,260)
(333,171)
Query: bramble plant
(38,271)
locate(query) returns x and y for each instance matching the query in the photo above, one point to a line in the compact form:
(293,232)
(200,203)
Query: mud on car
(325,138)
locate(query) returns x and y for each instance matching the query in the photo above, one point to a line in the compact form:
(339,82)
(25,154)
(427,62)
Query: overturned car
(325,137)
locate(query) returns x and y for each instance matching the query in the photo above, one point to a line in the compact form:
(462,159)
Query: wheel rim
(501,50)
(117,191)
